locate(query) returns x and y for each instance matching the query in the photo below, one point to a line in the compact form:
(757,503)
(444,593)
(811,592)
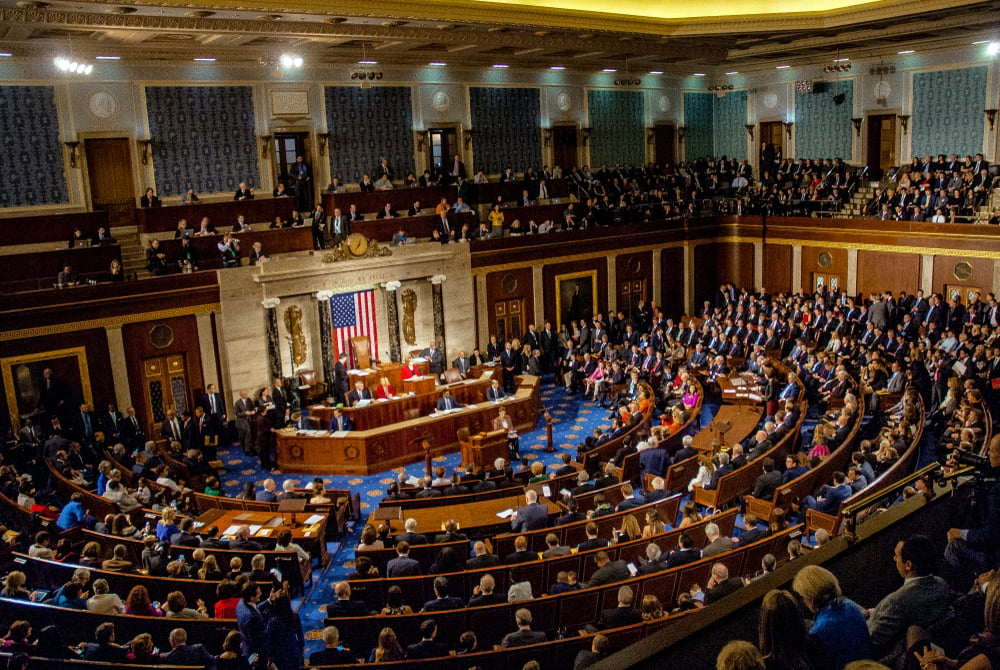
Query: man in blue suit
(446,402)
(724,469)
(339,422)
(530,517)
(830,497)
(652,460)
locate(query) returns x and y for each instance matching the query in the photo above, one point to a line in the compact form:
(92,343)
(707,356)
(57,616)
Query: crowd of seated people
(932,189)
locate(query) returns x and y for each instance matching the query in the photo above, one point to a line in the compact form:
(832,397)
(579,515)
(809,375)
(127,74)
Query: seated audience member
(523,635)
(428,647)
(332,653)
(343,606)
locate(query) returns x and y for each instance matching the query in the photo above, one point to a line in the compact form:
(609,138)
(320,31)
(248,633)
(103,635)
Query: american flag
(354,315)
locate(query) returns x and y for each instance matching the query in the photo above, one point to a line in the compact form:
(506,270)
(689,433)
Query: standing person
(283,638)
(302,172)
(319,228)
(264,423)
(245,410)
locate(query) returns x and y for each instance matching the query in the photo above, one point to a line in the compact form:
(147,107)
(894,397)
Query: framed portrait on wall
(576,296)
(50,382)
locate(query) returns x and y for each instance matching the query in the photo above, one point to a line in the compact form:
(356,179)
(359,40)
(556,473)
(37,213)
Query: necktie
(135,423)
(447,403)
(212,400)
(86,425)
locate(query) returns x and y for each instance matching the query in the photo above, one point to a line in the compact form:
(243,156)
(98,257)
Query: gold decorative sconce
(586,135)
(468,137)
(323,138)
(547,136)
(650,135)
(749,128)
(145,150)
(857,125)
(71,147)
(991,117)
(681,132)
(788,128)
(265,142)
(904,120)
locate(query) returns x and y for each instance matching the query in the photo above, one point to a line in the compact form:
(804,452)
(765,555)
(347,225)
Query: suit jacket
(346,608)
(354,396)
(682,556)
(618,617)
(495,394)
(653,461)
(522,637)
(918,602)
(345,424)
(345,225)
(190,654)
(719,545)
(435,360)
(426,649)
(723,589)
(402,566)
(530,517)
(442,404)
(482,561)
(613,571)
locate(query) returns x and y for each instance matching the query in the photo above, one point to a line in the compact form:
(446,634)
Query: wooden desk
(387,412)
(738,390)
(222,215)
(419,385)
(485,448)
(511,190)
(369,451)
(311,538)
(419,227)
(274,242)
(476,519)
(392,371)
(742,420)
(33,229)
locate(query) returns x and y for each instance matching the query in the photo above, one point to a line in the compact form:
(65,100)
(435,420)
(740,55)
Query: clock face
(357,244)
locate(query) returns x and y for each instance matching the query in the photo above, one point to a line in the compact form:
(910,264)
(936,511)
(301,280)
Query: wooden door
(663,145)
(824,281)
(564,147)
(880,147)
(287,147)
(631,292)
(444,145)
(165,386)
(109,171)
(509,318)
(772,132)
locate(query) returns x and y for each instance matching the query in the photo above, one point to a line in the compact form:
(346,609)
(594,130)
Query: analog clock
(357,244)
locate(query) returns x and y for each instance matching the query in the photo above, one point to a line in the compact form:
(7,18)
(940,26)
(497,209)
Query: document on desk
(338,433)
(546,491)
(506,514)
(314,519)
(232,530)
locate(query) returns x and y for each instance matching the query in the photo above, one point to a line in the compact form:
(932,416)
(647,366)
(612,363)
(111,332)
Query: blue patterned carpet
(574,419)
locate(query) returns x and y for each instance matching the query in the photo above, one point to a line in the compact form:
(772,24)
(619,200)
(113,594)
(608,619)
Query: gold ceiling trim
(682,9)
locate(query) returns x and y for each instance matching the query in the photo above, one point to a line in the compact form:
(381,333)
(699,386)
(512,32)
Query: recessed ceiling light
(367,62)
(905,51)
(108,57)
(656,72)
(558,67)
(733,72)
(993,49)
(437,64)
(500,66)
(698,74)
(204,60)
(609,69)
(841,60)
(5,55)
(782,67)
(980,42)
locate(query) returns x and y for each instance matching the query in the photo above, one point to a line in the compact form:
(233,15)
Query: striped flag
(354,315)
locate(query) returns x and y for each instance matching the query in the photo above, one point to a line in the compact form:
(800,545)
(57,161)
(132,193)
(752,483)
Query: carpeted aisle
(573,419)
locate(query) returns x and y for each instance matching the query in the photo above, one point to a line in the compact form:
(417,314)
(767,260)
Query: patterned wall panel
(507,124)
(203,137)
(948,111)
(619,134)
(31,159)
(823,129)
(699,118)
(366,124)
(730,118)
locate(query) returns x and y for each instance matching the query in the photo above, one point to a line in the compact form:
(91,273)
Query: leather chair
(362,351)
(316,389)
(452,375)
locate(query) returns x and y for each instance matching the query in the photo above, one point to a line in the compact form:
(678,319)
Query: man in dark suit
(531,516)
(434,357)
(652,460)
(243,192)
(339,226)
(830,497)
(215,409)
(104,649)
(343,606)
(443,228)
(462,364)
(455,169)
(521,554)
(523,635)
(495,391)
(768,481)
(279,398)
(623,615)
(630,499)
(411,536)
(720,584)
(359,393)
(402,565)
(108,421)
(484,594)
(608,571)
(567,467)
(592,541)
(442,600)
(724,469)
(481,557)
(267,493)
(339,422)
(182,653)
(319,233)
(584,485)
(446,402)
(131,430)
(85,424)
(716,543)
(203,435)
(245,409)
(172,428)
(427,647)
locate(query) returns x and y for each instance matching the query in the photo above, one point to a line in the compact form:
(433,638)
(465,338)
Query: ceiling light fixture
(841,60)
(733,72)
(437,64)
(367,62)
(290,61)
(6,55)
(204,60)
(656,72)
(501,66)
(558,67)
(609,69)
(782,67)
(905,51)
(107,57)
(698,74)
(72,66)
(993,49)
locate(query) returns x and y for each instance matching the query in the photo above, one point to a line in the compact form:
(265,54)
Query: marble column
(392,310)
(438,306)
(326,334)
(273,339)
(796,267)
(119,373)
(852,272)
